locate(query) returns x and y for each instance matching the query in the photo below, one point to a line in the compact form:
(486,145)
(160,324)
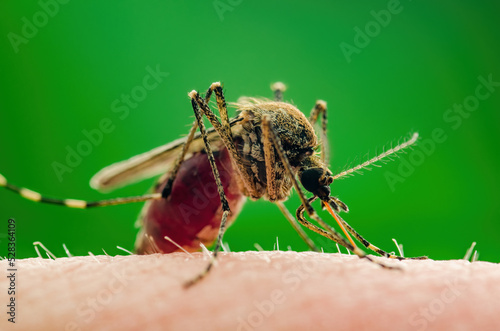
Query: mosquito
(267,149)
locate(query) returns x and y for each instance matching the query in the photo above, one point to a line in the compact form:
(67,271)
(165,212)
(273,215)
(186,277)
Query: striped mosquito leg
(73,203)
(225,205)
(278,88)
(374,248)
(268,131)
(224,131)
(221,104)
(336,237)
(270,161)
(328,231)
(178,162)
(217,247)
(319,109)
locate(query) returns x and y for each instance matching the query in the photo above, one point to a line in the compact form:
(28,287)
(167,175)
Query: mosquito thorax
(291,125)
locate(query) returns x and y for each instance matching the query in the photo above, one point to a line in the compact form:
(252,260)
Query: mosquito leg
(272,190)
(270,162)
(332,233)
(374,248)
(221,105)
(278,88)
(296,226)
(74,203)
(336,237)
(220,188)
(224,130)
(267,129)
(173,174)
(320,109)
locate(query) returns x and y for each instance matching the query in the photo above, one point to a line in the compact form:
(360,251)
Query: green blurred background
(404,76)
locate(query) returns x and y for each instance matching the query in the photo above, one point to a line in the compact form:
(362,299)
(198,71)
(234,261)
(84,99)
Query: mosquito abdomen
(192,213)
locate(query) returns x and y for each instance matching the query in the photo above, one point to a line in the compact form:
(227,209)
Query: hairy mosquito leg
(217,247)
(268,131)
(328,231)
(178,162)
(336,237)
(296,226)
(270,161)
(225,205)
(374,248)
(221,105)
(173,174)
(332,233)
(278,88)
(320,109)
(224,131)
(74,203)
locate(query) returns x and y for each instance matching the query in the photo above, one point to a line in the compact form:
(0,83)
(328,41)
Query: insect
(265,151)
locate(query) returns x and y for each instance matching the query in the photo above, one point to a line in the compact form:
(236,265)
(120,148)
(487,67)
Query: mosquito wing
(152,163)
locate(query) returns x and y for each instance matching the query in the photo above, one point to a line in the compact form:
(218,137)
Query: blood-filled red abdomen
(192,213)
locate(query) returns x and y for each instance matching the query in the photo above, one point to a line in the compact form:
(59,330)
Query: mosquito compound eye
(313,180)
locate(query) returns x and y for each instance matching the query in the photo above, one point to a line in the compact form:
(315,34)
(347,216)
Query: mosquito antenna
(379,157)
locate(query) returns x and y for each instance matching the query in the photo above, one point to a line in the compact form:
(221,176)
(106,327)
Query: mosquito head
(317,181)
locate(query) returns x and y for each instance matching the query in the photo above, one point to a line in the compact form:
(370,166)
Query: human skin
(252,291)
